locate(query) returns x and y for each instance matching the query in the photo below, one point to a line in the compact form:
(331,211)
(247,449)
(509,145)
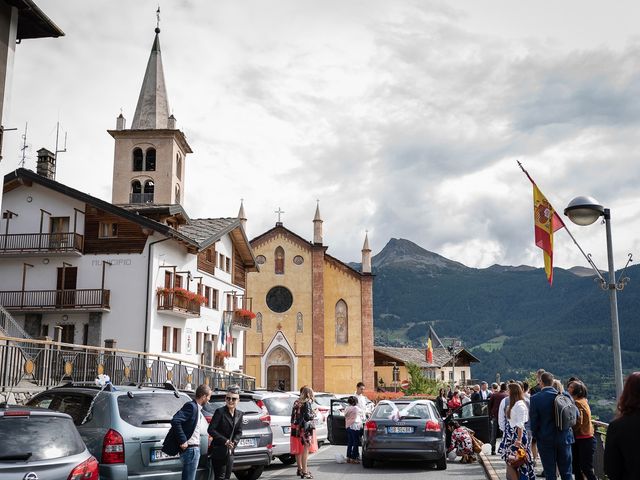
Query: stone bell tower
(150,157)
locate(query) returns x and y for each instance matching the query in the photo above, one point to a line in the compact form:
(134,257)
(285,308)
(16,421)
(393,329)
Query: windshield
(38,437)
(281,406)
(324,400)
(398,410)
(149,409)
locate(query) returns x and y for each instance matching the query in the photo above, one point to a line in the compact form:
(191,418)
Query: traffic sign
(404,385)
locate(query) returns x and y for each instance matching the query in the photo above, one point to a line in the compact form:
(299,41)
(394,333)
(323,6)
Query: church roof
(152,110)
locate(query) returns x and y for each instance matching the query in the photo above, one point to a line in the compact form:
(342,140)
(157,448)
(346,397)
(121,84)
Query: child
(353,422)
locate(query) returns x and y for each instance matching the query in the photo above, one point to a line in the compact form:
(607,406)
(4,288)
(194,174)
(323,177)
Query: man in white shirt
(363,401)
(484,391)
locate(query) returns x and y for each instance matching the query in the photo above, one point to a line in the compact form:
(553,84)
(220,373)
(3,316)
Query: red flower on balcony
(184,293)
(243,312)
(222,354)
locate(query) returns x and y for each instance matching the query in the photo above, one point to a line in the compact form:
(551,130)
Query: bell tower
(149,157)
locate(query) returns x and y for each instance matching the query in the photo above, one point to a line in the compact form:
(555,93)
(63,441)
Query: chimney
(46,165)
(121,122)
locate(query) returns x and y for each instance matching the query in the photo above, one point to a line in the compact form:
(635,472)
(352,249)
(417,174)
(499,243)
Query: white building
(126,271)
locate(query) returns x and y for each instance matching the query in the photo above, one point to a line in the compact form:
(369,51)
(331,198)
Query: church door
(279,377)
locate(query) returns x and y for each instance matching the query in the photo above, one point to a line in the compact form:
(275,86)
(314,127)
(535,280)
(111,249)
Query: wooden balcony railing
(41,242)
(38,300)
(171,302)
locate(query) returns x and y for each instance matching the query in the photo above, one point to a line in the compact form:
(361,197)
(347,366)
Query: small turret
(242,216)
(366,255)
(317,226)
(121,122)
(171,123)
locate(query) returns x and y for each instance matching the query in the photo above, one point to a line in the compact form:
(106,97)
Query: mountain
(510,317)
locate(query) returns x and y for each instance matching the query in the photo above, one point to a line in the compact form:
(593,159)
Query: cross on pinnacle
(279,212)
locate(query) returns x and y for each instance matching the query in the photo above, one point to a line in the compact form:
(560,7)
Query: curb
(488,467)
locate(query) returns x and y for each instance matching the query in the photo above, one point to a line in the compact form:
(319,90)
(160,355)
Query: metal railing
(46,364)
(32,300)
(600,432)
(175,302)
(9,326)
(237,320)
(41,242)
(141,198)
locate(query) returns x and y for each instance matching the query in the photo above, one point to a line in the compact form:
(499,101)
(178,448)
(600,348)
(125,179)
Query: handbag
(477,444)
(517,457)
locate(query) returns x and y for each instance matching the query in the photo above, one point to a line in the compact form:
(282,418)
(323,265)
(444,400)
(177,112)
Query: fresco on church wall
(342,323)
(279,256)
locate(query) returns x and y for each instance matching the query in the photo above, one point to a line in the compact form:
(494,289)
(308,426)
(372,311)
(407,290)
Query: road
(323,466)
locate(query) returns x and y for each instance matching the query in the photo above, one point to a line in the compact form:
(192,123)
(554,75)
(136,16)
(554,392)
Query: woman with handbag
(515,449)
(303,431)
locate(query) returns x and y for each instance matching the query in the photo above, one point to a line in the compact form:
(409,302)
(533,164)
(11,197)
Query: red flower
(243,312)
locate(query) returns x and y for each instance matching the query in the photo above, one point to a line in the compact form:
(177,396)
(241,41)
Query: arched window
(137,159)
(299,323)
(342,322)
(150,160)
(279,256)
(177,193)
(259,322)
(178,166)
(149,187)
(136,192)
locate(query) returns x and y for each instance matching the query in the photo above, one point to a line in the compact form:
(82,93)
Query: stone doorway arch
(279,370)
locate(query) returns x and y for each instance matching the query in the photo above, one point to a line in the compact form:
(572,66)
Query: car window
(281,406)
(74,405)
(148,409)
(324,400)
(43,401)
(246,405)
(386,410)
(38,437)
(475,409)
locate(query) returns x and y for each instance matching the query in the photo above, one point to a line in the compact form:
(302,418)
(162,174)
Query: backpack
(565,412)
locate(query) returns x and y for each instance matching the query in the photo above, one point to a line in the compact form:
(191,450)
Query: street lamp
(584,211)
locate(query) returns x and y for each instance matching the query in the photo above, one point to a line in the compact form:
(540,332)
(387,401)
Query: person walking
(494,405)
(584,447)
(225,431)
(621,459)
(441,403)
(515,435)
(353,419)
(303,433)
(184,435)
(554,445)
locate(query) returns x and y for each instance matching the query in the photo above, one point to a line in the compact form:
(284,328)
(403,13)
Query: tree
(420,384)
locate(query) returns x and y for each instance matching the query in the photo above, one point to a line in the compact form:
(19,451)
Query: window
(136,187)
(207,254)
(178,166)
(207,295)
(45,330)
(451,376)
(220,261)
(342,322)
(177,189)
(166,334)
(279,299)
(442,375)
(279,263)
(176,340)
(227,265)
(137,160)
(463,376)
(149,189)
(167,279)
(214,299)
(85,334)
(229,302)
(178,281)
(234,347)
(150,160)
(108,230)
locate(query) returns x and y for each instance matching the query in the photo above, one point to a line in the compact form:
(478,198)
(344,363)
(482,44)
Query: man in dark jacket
(494,405)
(225,430)
(554,445)
(184,435)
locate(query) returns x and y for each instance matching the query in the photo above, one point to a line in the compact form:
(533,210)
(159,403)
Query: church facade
(314,315)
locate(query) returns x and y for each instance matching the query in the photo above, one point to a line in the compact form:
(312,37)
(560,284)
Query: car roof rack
(165,385)
(92,385)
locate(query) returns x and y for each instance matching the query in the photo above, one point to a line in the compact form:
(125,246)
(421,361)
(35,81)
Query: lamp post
(584,211)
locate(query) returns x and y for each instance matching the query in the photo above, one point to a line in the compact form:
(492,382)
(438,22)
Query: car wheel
(367,462)
(287,459)
(441,464)
(251,474)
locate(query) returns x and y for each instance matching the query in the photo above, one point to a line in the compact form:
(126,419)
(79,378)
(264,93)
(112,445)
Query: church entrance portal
(279,365)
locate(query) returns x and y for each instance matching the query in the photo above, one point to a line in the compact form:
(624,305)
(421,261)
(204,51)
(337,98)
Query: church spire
(366,255)
(152,110)
(317,226)
(241,215)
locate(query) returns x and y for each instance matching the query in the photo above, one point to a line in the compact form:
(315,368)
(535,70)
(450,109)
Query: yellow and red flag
(546,221)
(429,349)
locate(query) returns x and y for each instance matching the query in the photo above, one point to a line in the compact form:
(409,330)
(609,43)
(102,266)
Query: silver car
(38,443)
(125,427)
(322,412)
(279,406)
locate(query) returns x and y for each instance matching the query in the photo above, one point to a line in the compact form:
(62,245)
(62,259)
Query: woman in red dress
(303,433)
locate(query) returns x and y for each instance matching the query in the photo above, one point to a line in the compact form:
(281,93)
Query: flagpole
(586,256)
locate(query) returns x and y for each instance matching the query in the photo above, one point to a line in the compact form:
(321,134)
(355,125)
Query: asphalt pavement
(323,466)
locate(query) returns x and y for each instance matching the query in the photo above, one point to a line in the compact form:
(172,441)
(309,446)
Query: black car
(254,451)
(475,416)
(40,443)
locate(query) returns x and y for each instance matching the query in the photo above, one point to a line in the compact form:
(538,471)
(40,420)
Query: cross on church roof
(279,212)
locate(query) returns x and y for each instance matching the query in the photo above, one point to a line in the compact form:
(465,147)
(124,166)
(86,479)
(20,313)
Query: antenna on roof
(65,141)
(24,145)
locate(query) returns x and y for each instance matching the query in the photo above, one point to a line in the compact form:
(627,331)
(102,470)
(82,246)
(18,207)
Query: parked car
(322,413)
(254,451)
(124,427)
(39,443)
(404,430)
(279,405)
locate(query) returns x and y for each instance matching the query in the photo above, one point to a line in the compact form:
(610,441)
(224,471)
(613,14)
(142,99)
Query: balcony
(38,301)
(240,319)
(141,198)
(20,244)
(178,305)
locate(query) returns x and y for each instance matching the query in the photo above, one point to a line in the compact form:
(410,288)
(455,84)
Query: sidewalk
(494,466)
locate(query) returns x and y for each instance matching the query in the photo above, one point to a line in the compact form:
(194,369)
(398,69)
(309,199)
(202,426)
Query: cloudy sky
(404,118)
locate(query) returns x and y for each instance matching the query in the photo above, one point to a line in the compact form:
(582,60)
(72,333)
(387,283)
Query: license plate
(248,442)
(158,455)
(286,430)
(400,429)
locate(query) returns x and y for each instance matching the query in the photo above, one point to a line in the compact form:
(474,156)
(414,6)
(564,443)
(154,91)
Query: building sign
(188,334)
